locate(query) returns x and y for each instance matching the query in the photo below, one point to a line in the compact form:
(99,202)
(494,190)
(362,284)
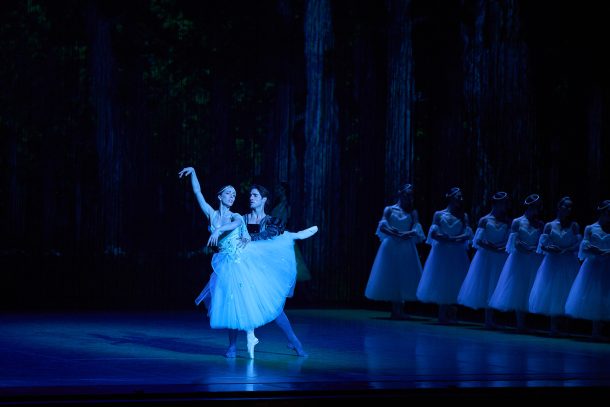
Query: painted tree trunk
(16,196)
(321,187)
(498,110)
(283,151)
(595,145)
(278,151)
(107,133)
(363,123)
(399,134)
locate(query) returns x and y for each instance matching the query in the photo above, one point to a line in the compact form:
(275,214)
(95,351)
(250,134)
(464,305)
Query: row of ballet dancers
(520,265)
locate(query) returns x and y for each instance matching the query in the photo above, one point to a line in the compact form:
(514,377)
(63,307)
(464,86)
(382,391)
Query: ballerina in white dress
(517,277)
(490,241)
(250,280)
(396,270)
(589,297)
(448,261)
(559,243)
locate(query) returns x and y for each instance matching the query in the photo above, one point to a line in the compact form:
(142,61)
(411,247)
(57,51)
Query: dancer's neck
(257,215)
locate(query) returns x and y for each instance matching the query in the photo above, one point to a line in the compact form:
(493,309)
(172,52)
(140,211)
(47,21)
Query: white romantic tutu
(444,271)
(589,297)
(552,284)
(396,271)
(486,266)
(512,292)
(482,277)
(249,286)
(515,283)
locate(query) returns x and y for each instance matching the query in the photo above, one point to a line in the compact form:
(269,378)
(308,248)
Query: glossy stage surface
(176,358)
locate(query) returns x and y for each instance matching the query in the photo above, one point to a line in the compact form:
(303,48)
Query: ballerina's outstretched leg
(304,234)
(294,343)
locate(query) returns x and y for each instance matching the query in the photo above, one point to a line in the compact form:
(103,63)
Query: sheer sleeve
(480,234)
(380,234)
(544,239)
(272,227)
(511,243)
(513,235)
(585,245)
(419,233)
(469,234)
(430,240)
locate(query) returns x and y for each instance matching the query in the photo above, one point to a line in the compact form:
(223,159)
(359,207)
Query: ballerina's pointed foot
(252,342)
(304,234)
(300,352)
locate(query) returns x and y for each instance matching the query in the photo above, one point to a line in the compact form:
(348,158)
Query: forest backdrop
(103,102)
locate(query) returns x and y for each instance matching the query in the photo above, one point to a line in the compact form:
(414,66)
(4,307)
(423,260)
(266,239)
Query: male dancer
(262,226)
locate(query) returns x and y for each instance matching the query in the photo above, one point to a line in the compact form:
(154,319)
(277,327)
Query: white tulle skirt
(482,278)
(395,272)
(443,274)
(248,289)
(553,283)
(589,297)
(515,283)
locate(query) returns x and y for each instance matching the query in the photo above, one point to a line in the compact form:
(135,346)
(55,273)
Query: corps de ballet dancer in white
(517,277)
(490,241)
(396,270)
(448,261)
(589,297)
(559,243)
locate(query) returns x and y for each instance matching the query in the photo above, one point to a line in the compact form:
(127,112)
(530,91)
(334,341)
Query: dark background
(103,102)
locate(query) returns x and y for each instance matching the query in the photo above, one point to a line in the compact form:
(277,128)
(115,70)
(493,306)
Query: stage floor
(153,357)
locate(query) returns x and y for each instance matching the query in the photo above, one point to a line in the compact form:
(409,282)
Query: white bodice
(400,220)
(495,231)
(596,236)
(230,242)
(527,233)
(563,238)
(450,225)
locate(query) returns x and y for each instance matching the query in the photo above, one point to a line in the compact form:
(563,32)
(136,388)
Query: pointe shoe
(304,234)
(252,342)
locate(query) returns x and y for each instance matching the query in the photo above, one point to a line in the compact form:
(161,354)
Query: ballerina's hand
(406,235)
(186,172)
(553,249)
(595,250)
(440,236)
(213,240)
